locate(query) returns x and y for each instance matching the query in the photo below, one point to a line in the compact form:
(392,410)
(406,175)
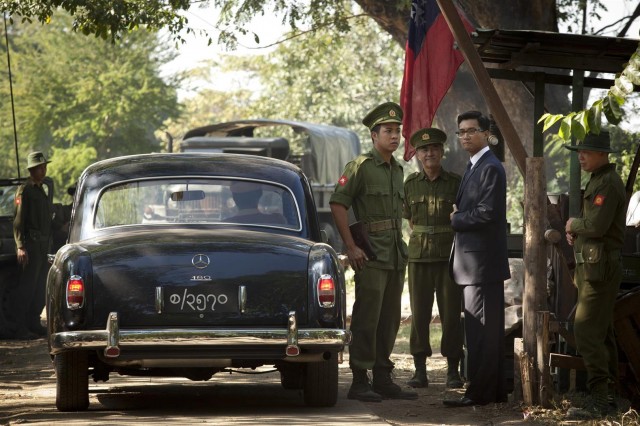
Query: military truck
(321,151)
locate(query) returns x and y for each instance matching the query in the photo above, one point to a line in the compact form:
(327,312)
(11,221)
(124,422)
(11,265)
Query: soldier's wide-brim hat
(388,112)
(36,158)
(592,142)
(427,136)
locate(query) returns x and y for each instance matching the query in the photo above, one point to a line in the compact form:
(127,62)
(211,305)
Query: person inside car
(246,196)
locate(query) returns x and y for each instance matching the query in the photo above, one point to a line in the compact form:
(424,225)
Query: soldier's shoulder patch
(598,200)
(343,180)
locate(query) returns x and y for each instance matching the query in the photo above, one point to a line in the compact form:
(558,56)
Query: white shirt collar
(474,159)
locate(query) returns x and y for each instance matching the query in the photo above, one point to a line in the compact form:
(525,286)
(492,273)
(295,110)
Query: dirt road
(27,395)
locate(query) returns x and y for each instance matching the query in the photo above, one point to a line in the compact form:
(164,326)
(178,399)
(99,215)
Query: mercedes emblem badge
(200,261)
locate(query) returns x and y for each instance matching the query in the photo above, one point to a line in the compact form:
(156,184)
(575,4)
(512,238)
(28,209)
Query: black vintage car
(191,264)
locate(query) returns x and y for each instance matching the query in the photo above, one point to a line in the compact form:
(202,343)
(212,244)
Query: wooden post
(545,390)
(523,374)
(535,255)
(485,85)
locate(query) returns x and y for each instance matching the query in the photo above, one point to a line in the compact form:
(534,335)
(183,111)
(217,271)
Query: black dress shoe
(462,402)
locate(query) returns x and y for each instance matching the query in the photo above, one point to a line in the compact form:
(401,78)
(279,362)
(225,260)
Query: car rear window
(183,201)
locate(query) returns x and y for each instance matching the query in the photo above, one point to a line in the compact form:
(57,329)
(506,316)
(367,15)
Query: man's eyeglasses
(472,131)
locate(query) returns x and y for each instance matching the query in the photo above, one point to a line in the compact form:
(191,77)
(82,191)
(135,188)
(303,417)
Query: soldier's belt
(429,229)
(384,225)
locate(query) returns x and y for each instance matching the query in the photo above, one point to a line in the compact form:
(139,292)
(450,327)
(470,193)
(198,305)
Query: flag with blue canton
(430,66)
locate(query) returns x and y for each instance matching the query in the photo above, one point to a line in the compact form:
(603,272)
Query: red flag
(430,66)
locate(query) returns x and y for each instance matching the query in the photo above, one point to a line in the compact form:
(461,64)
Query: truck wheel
(321,383)
(72,377)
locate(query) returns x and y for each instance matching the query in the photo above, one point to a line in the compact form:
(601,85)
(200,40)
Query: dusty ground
(27,395)
(27,392)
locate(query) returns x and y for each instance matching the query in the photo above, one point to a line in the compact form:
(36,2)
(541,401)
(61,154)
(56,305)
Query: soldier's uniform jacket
(374,189)
(33,212)
(601,227)
(428,205)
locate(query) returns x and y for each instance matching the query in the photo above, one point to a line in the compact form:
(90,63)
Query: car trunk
(157,278)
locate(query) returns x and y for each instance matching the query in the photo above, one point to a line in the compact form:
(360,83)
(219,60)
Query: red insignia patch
(18,200)
(343,180)
(598,200)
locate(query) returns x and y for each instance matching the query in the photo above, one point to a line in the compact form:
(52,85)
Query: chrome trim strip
(159,299)
(132,338)
(242,298)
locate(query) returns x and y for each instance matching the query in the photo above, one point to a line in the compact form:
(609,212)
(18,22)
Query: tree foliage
(75,93)
(320,78)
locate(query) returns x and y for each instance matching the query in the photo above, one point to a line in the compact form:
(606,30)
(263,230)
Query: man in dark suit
(479,262)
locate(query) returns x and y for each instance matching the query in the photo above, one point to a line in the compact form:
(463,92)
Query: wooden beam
(483,80)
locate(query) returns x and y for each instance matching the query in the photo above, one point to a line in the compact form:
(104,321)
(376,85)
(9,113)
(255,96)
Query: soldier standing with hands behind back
(372,185)
(32,234)
(597,237)
(429,198)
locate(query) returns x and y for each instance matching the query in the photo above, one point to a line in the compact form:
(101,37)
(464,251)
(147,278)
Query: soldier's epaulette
(363,157)
(412,176)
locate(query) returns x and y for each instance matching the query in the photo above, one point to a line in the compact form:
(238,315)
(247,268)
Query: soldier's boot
(383,385)
(453,375)
(596,405)
(361,389)
(419,379)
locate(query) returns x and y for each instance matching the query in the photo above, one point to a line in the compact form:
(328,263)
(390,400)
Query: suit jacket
(479,252)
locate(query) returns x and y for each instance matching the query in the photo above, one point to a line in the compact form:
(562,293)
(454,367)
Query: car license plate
(200,299)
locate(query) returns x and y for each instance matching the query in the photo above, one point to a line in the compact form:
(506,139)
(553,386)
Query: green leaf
(611,108)
(594,116)
(565,127)
(579,127)
(550,120)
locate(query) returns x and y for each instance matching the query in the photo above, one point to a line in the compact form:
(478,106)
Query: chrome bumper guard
(112,339)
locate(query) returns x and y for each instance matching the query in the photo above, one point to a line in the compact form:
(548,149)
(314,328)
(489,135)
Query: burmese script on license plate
(201,299)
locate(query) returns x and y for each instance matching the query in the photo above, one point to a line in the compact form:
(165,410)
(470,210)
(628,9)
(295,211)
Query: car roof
(118,169)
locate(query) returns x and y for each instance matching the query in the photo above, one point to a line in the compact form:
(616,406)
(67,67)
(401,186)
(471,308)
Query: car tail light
(75,292)
(326,291)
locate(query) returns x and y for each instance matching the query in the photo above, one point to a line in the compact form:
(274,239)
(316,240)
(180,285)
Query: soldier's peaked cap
(388,112)
(427,136)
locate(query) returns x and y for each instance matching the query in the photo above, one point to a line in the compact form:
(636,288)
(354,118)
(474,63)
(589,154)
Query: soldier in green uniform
(372,185)
(429,197)
(32,234)
(597,237)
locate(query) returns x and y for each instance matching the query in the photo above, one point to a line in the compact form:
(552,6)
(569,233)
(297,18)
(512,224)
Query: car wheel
(72,375)
(291,376)
(321,383)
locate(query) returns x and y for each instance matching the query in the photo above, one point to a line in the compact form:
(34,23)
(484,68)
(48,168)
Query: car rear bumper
(112,339)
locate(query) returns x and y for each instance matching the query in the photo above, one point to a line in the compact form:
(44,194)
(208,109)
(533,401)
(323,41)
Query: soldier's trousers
(425,279)
(30,294)
(593,327)
(375,317)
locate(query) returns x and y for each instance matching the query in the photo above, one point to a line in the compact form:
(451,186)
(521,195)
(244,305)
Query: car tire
(72,381)
(291,376)
(321,383)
